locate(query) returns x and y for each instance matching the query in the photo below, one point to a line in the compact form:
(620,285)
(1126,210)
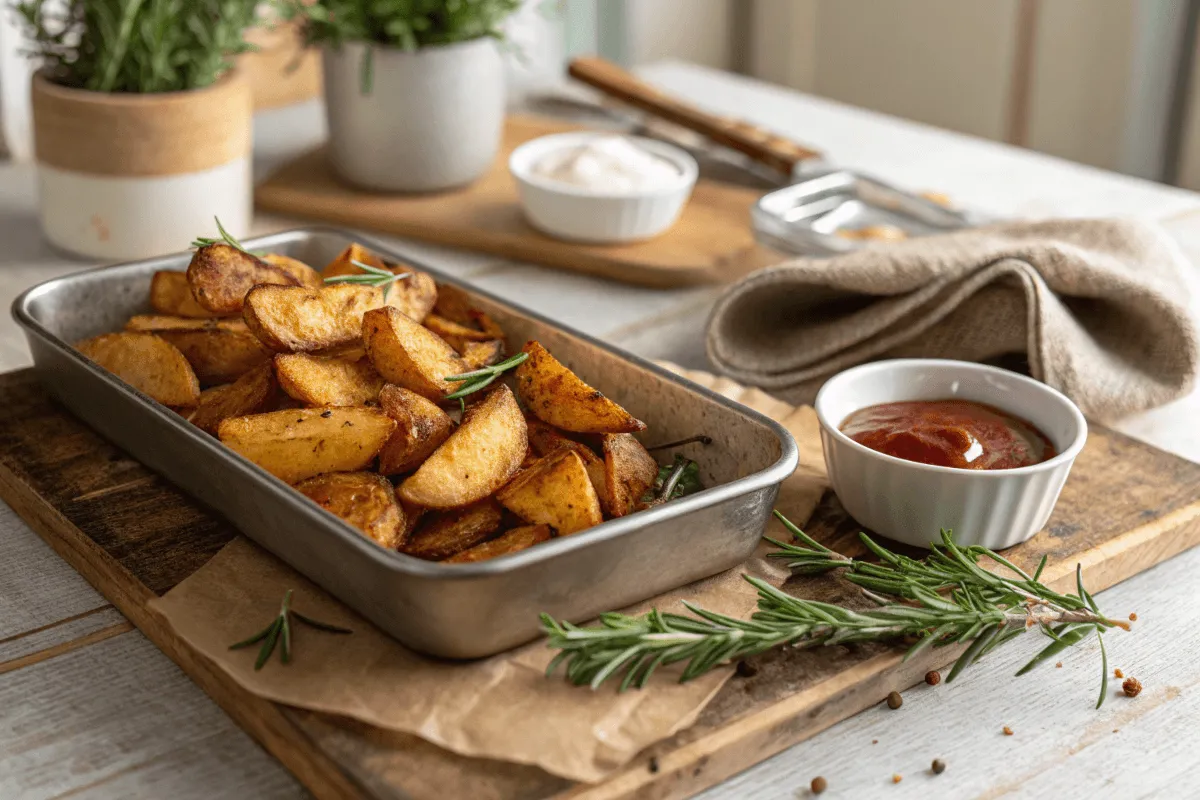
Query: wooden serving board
(711,243)
(1126,507)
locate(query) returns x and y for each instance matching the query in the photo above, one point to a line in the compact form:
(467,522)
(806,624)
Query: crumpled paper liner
(502,707)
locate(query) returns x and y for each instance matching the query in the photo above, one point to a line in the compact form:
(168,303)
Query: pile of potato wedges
(340,389)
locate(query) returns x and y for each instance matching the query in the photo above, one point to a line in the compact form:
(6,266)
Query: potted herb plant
(142,131)
(414,89)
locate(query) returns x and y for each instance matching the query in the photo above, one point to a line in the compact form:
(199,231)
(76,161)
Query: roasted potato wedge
(320,381)
(454,305)
(554,394)
(150,364)
(455,334)
(556,491)
(219,350)
(220,276)
(409,355)
(445,533)
(477,355)
(253,393)
(545,439)
(413,296)
(421,427)
(344,263)
(365,500)
(293,319)
(476,460)
(512,540)
(295,444)
(170,294)
(629,470)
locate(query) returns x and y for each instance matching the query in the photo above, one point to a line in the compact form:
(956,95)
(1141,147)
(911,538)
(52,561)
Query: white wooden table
(90,709)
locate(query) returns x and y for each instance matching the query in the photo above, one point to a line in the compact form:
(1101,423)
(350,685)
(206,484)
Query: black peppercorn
(894,700)
(938,766)
(818,785)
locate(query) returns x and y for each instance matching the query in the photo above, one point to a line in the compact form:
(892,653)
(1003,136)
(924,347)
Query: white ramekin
(578,214)
(912,502)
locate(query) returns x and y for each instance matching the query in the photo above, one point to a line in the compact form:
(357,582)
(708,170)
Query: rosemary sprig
(946,598)
(226,238)
(478,379)
(674,480)
(280,629)
(371,276)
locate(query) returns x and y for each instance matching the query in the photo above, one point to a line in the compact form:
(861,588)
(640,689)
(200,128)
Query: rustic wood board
(711,243)
(1126,507)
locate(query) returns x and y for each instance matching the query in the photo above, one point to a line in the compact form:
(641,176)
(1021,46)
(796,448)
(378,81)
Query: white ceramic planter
(432,119)
(124,176)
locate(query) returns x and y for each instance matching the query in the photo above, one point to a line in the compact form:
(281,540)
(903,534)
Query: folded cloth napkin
(1097,307)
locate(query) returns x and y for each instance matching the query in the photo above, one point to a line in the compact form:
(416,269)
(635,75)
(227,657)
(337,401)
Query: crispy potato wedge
(148,363)
(558,396)
(445,533)
(344,263)
(545,439)
(455,334)
(293,319)
(512,540)
(413,296)
(409,355)
(220,276)
(476,460)
(219,350)
(421,427)
(454,305)
(320,381)
(556,491)
(477,355)
(170,294)
(295,267)
(253,393)
(365,500)
(629,470)
(295,444)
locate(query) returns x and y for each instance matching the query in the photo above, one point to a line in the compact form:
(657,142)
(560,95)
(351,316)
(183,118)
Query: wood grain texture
(132,535)
(711,243)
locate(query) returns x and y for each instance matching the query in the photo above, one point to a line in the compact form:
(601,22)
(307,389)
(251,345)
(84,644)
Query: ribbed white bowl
(578,214)
(912,502)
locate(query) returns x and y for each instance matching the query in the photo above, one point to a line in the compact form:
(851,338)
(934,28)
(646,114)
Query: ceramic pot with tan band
(125,176)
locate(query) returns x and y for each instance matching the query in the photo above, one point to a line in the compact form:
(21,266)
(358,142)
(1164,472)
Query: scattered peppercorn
(874,741)
(653,764)
(933,677)
(897,778)
(938,766)
(1133,617)
(326,414)
(1118,674)
(1008,731)
(1132,687)
(894,700)
(1058,665)
(746,670)
(818,785)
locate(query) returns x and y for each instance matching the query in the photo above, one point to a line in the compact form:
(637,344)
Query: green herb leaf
(481,378)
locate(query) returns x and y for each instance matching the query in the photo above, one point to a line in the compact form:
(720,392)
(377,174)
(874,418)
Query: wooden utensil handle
(761,145)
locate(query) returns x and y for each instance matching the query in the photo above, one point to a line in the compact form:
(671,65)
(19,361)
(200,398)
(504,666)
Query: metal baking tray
(806,217)
(454,611)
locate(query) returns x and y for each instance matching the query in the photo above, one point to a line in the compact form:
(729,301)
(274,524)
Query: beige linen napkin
(1097,307)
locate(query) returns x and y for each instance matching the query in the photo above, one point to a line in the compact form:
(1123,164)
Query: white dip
(607,164)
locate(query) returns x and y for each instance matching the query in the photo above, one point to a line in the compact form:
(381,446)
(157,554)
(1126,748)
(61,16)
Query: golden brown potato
(477,459)
(253,393)
(556,491)
(445,533)
(148,363)
(295,444)
(409,355)
(512,540)
(363,499)
(558,396)
(293,266)
(293,319)
(322,381)
(629,470)
(454,305)
(455,334)
(219,350)
(421,427)
(545,439)
(344,263)
(170,294)
(220,276)
(414,296)
(477,355)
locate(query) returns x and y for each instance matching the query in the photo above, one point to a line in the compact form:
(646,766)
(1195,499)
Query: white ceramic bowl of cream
(599,203)
(911,502)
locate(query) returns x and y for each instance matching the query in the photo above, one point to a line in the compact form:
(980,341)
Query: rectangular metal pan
(454,611)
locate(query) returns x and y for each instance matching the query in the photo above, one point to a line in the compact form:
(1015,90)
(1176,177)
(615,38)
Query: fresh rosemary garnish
(280,629)
(226,238)
(371,276)
(674,480)
(478,379)
(943,599)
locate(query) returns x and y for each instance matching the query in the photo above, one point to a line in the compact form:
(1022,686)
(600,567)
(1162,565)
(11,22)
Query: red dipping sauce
(949,433)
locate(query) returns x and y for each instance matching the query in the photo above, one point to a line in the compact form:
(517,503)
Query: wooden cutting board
(711,243)
(1126,507)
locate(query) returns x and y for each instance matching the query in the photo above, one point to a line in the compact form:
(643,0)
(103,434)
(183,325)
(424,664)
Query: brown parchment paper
(501,707)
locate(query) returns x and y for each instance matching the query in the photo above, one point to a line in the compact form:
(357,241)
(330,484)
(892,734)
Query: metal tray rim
(399,562)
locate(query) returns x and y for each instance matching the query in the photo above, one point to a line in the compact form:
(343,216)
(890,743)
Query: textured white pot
(432,118)
(125,176)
